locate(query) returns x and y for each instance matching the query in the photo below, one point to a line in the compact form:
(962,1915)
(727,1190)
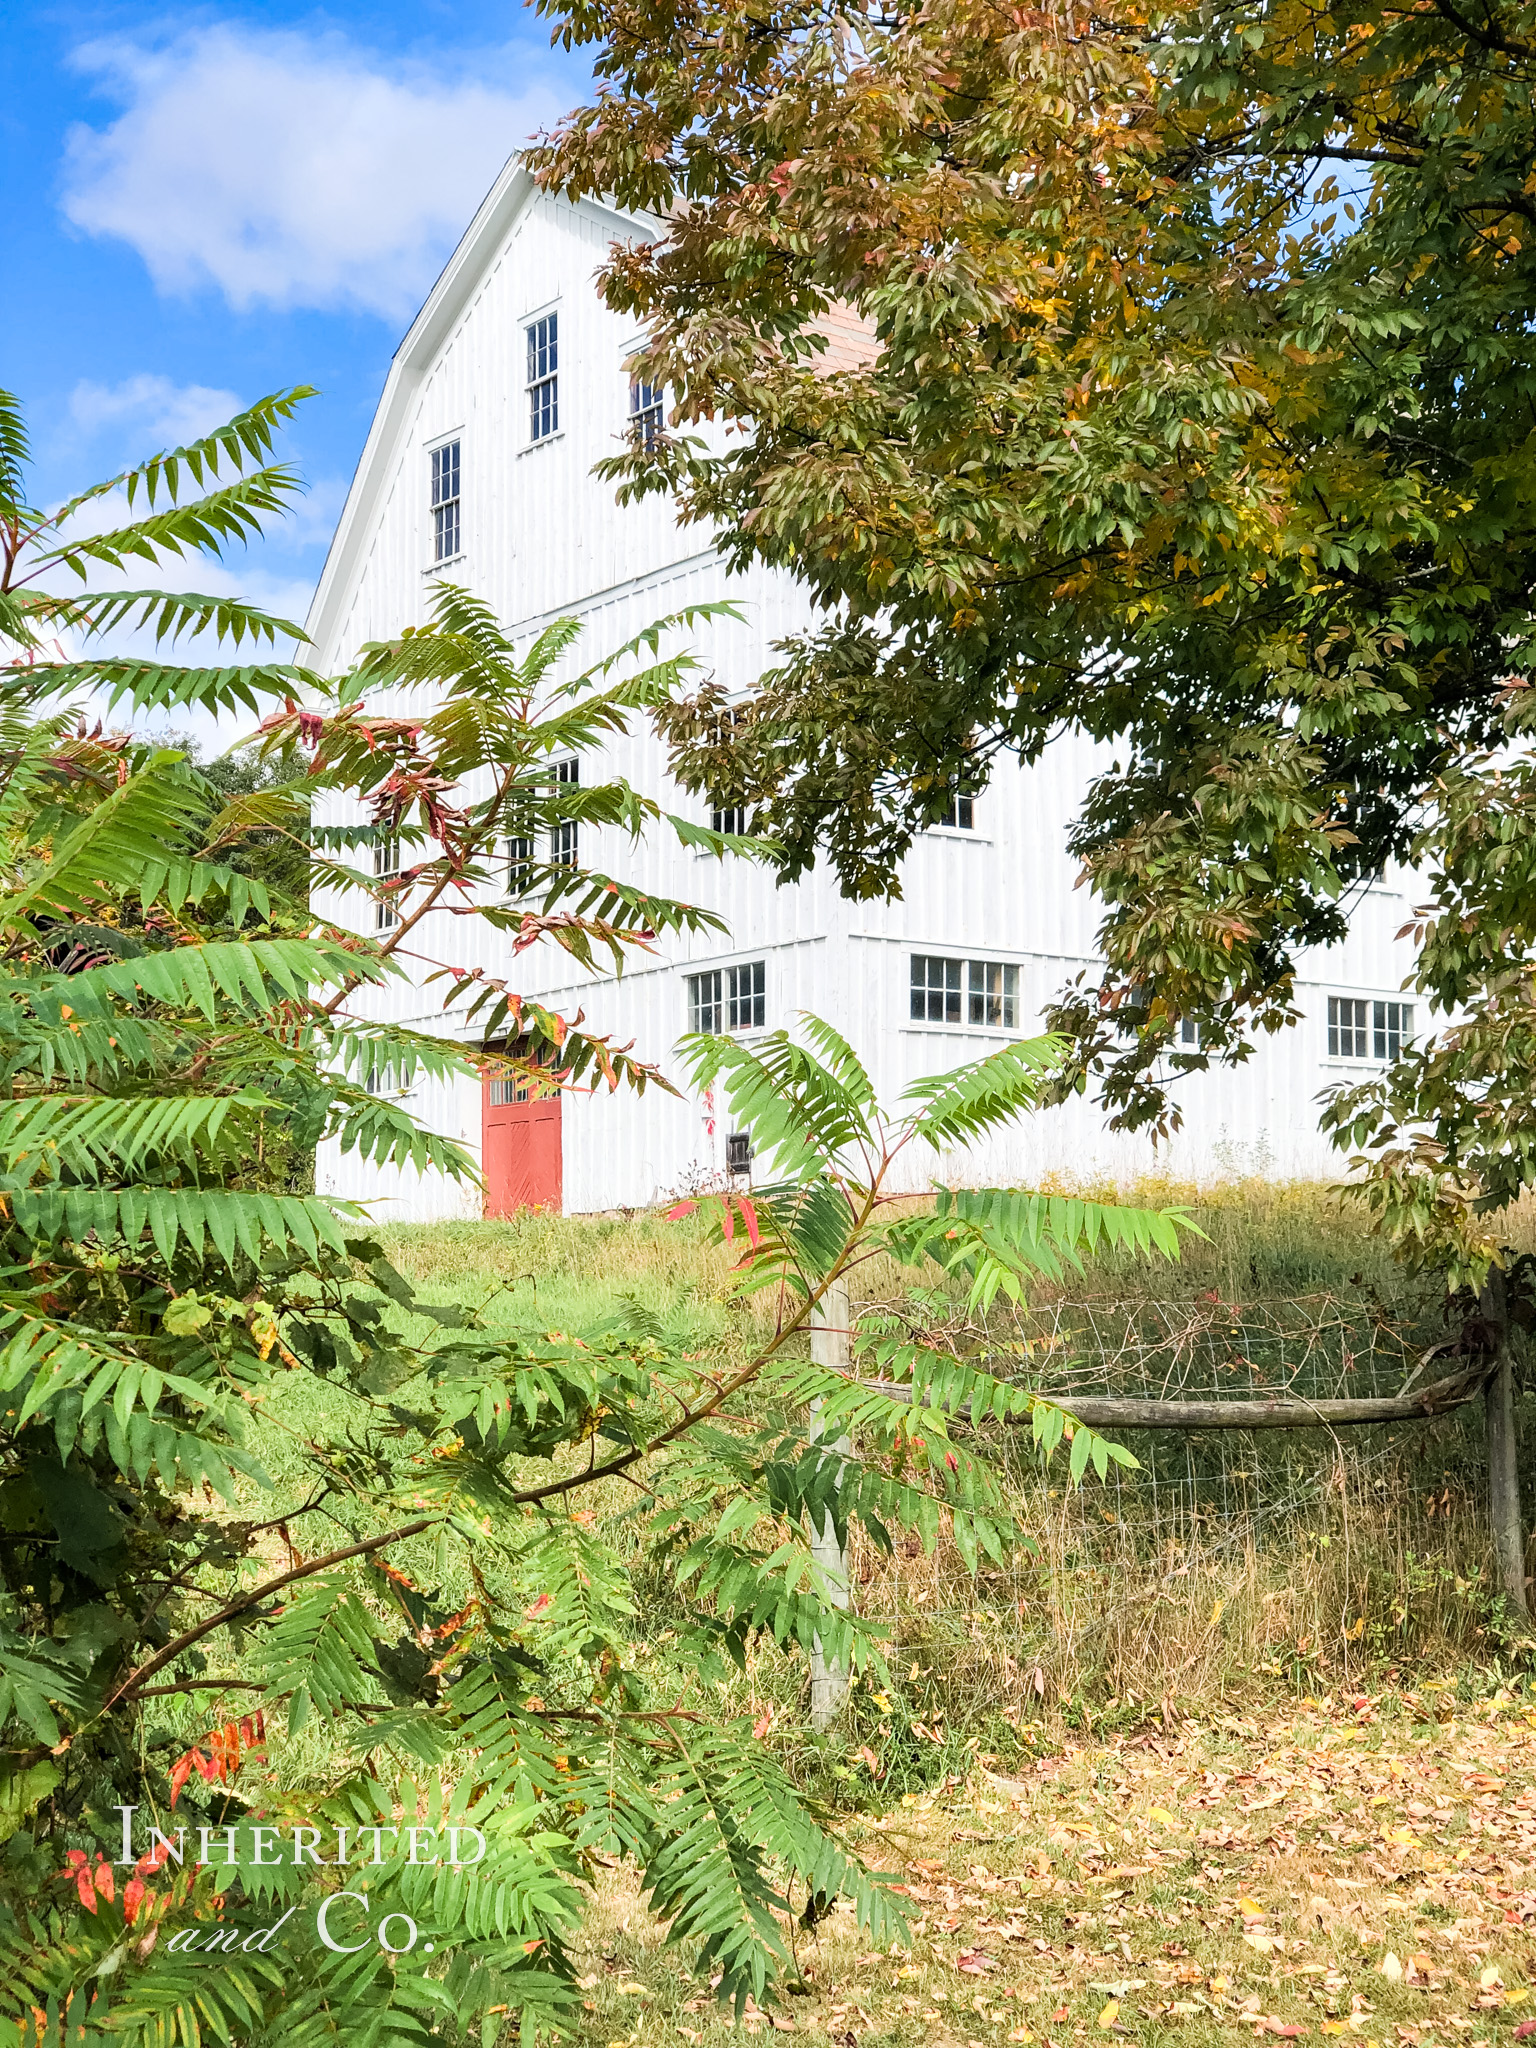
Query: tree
(439,1575)
(1197,416)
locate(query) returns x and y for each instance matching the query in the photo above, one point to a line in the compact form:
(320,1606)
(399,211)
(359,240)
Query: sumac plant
(330,1751)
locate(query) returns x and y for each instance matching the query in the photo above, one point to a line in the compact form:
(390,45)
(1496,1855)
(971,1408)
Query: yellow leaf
(1250,1908)
(1161,1813)
(1108,2016)
(1514,1997)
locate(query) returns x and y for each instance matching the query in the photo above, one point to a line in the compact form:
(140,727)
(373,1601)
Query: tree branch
(1115,1411)
(133,1684)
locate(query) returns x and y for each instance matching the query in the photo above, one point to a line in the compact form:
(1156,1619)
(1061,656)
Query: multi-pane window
(386,870)
(936,989)
(522,1087)
(1189,1031)
(1358,1030)
(1347,1033)
(981,993)
(565,837)
(544,377)
(1393,1027)
(447,533)
(729,998)
(961,815)
(706,1000)
(732,819)
(994,992)
(646,405)
(745,1001)
(519,865)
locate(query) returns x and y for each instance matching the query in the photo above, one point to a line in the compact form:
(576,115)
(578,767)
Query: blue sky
(203,205)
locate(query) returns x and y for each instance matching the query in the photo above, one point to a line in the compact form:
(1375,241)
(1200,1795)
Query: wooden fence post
(831,1330)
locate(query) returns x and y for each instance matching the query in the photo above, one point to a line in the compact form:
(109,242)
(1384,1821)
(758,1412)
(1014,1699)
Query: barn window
(544,377)
(994,992)
(738,1152)
(447,533)
(519,865)
(936,989)
(729,998)
(386,871)
(961,815)
(647,402)
(1360,1030)
(1393,1029)
(732,819)
(564,839)
(745,1000)
(1347,1035)
(1189,1031)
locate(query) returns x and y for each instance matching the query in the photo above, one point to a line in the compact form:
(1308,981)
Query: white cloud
(289,169)
(166,414)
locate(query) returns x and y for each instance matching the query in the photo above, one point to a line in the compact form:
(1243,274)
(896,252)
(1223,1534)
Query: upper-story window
(544,377)
(961,815)
(520,851)
(564,838)
(386,872)
(647,403)
(447,532)
(733,818)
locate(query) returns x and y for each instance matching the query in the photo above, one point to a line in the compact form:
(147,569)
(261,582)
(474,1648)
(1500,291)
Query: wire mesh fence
(1205,1489)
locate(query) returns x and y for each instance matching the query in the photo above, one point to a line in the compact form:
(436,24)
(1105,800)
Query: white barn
(508,388)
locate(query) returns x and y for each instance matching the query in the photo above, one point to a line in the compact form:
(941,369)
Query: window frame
(979,995)
(386,867)
(442,502)
(647,413)
(963,993)
(565,835)
(925,989)
(1349,1028)
(517,878)
(541,379)
(1391,1028)
(730,1001)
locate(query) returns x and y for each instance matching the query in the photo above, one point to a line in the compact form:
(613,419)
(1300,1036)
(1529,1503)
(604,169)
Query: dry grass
(1361,1870)
(1357,1567)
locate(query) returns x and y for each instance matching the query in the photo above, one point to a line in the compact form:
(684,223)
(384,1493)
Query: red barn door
(520,1141)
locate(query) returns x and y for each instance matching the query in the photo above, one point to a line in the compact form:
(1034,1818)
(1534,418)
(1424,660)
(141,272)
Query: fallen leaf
(1110,2013)
(1391,1968)
(975,1962)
